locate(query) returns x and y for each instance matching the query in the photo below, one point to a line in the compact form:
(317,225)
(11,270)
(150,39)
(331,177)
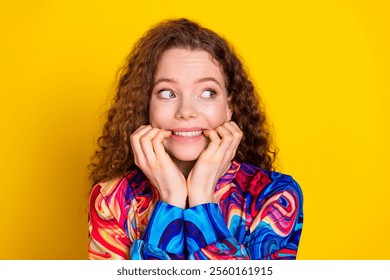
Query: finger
(158,144)
(142,127)
(215,141)
(139,156)
(136,135)
(227,138)
(226,150)
(147,146)
(233,128)
(237,132)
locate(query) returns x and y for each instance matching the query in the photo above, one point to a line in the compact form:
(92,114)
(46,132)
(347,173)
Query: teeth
(188,133)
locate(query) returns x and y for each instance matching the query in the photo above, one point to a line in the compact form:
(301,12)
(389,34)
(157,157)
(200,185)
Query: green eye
(166,94)
(208,94)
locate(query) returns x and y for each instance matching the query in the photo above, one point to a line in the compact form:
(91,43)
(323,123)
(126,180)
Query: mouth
(188,133)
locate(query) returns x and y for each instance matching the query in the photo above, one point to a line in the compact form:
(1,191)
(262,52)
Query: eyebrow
(209,79)
(165,80)
(201,80)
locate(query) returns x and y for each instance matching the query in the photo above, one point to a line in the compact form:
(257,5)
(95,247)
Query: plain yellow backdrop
(322,68)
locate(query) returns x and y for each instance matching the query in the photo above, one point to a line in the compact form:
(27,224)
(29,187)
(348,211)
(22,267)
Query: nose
(186,109)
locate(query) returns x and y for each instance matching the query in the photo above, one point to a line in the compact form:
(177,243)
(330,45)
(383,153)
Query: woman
(184,169)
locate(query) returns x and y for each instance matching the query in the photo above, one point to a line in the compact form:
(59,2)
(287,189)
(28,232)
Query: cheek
(153,120)
(216,115)
(157,116)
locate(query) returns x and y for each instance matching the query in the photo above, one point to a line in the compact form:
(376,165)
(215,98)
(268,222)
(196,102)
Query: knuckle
(143,139)
(139,163)
(133,137)
(155,140)
(152,165)
(238,134)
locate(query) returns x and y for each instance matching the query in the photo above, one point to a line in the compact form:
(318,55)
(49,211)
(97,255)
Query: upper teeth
(188,133)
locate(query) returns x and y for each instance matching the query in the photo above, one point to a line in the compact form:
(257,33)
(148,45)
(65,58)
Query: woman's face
(188,97)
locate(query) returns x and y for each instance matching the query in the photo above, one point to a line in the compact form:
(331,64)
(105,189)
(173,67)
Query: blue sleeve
(163,237)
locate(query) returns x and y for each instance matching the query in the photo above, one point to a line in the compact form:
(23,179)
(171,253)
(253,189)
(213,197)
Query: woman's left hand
(213,162)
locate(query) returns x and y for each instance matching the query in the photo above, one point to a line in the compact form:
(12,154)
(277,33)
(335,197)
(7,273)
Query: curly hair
(130,106)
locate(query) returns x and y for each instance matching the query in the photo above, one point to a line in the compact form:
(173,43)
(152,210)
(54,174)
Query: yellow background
(322,68)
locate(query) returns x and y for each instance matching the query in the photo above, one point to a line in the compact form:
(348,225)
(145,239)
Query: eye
(166,94)
(208,94)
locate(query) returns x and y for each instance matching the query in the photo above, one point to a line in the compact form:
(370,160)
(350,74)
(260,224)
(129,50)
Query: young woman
(184,169)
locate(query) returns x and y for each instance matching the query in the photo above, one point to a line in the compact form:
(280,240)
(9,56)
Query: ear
(229,112)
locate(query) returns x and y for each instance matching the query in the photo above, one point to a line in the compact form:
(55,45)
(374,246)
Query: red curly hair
(130,108)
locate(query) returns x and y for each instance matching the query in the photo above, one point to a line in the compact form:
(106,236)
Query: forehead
(179,62)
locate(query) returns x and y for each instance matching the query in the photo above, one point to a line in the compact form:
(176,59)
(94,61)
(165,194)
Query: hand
(213,162)
(151,157)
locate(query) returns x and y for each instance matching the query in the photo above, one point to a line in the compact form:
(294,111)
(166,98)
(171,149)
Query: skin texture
(190,141)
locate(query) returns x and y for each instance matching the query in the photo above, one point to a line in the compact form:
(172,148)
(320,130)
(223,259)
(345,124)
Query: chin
(190,153)
(185,154)
(185,157)
(185,151)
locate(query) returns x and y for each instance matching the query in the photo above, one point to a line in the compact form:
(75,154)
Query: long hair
(130,106)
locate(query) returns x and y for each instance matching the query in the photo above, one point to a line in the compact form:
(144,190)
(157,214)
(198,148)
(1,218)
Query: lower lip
(185,139)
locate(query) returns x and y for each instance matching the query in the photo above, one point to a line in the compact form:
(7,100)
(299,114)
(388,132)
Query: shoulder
(123,188)
(113,199)
(262,183)
(271,194)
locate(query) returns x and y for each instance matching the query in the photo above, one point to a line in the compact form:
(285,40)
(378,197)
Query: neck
(185,167)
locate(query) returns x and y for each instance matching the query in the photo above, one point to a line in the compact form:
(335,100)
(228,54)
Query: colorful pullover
(258,215)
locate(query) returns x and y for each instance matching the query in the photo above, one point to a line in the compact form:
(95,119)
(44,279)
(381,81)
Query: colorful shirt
(258,215)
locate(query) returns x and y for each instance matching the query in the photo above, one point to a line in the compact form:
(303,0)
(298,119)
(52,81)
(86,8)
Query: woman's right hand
(151,157)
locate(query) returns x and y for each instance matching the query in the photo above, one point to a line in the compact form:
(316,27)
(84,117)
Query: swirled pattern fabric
(258,215)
